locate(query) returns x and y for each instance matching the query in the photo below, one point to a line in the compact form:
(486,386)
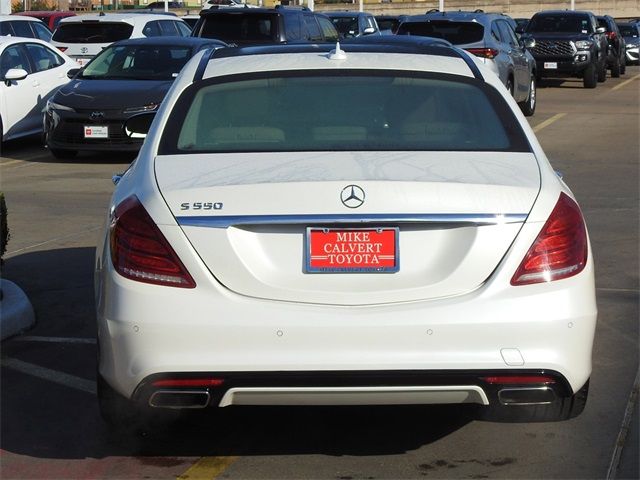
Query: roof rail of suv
(425,46)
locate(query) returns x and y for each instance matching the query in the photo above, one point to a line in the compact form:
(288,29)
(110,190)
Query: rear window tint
(458,33)
(240,28)
(98,32)
(353,112)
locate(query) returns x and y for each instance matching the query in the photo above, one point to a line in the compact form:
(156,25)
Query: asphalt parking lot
(50,426)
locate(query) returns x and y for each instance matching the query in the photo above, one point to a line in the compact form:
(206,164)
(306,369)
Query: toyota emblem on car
(352,196)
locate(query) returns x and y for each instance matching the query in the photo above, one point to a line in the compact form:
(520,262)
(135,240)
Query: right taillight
(139,250)
(560,250)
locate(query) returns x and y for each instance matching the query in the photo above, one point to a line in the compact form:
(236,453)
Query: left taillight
(139,250)
(560,250)
(483,52)
(62,49)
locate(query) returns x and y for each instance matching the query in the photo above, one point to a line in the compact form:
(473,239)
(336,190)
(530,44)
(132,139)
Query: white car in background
(28,27)
(84,36)
(30,71)
(306,225)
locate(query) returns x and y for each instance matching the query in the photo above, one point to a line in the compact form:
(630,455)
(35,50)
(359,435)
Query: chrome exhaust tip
(526,396)
(179,399)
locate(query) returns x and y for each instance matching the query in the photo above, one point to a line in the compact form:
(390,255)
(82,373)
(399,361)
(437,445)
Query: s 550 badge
(201,206)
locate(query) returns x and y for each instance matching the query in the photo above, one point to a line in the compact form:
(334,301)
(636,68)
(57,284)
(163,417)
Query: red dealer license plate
(352,250)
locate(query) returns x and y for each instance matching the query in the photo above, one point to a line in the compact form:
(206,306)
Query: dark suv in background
(616,61)
(259,26)
(569,44)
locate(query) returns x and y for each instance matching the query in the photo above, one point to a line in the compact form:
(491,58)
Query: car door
(49,71)
(20,111)
(518,56)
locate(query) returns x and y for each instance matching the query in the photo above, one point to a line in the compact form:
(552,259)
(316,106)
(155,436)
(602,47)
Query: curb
(16,312)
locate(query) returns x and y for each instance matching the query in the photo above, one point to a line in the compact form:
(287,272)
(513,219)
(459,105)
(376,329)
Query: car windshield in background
(354,112)
(559,24)
(458,33)
(98,32)
(240,28)
(628,31)
(347,26)
(138,62)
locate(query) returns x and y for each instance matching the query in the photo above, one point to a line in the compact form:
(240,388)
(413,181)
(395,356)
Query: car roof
(21,18)
(45,13)
(175,41)
(345,13)
(563,12)
(253,11)
(131,18)
(429,55)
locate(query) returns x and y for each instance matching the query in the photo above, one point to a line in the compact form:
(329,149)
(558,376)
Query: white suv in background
(85,36)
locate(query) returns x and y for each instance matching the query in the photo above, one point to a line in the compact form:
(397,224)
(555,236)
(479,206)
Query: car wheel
(528,107)
(558,410)
(589,78)
(63,154)
(602,72)
(615,68)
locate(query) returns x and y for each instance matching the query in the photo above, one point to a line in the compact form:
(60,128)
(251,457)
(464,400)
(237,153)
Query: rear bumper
(147,331)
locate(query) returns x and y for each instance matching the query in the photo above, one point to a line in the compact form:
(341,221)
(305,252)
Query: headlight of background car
(56,106)
(584,44)
(633,45)
(146,108)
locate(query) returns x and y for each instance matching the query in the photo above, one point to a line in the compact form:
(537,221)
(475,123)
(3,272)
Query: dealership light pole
(573,5)
(441,5)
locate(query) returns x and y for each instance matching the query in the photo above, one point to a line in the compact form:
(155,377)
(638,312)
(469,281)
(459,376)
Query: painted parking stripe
(10,162)
(55,376)
(32,338)
(207,468)
(624,430)
(548,122)
(626,82)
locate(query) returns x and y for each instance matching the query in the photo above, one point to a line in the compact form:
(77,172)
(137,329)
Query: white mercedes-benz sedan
(368,225)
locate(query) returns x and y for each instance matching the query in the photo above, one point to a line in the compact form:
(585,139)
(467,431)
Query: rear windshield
(458,33)
(357,111)
(242,28)
(98,32)
(559,24)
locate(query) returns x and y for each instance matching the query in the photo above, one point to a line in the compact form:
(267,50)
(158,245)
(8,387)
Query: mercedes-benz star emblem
(352,196)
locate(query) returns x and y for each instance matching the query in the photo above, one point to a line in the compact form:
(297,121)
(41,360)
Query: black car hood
(559,36)
(111,94)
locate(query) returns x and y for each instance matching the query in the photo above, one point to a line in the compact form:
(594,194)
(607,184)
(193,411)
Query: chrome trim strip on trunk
(476,219)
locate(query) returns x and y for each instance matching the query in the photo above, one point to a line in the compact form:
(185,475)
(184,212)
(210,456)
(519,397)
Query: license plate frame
(550,65)
(96,131)
(317,261)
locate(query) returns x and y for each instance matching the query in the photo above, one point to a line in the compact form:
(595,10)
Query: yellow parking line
(548,122)
(11,162)
(207,468)
(626,82)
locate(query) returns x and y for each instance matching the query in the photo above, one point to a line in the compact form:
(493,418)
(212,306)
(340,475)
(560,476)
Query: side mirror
(14,74)
(368,31)
(138,125)
(73,72)
(520,29)
(601,30)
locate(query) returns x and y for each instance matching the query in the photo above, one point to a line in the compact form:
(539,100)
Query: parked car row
(554,43)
